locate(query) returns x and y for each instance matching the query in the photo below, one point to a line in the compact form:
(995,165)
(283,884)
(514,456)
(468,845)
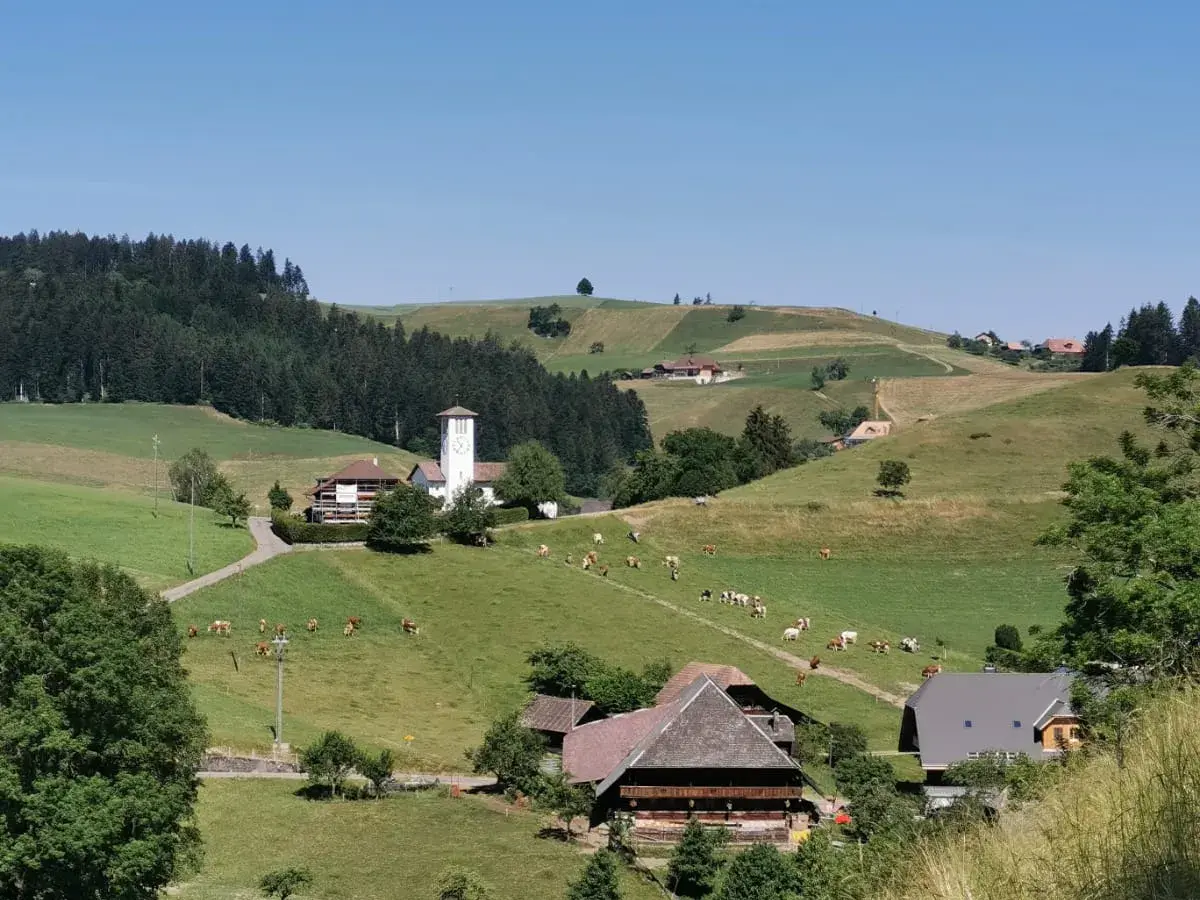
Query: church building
(457,468)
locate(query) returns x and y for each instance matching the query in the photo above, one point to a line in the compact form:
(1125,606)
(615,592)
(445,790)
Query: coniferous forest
(173,321)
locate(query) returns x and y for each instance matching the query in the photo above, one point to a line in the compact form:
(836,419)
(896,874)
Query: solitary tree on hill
(677,300)
(227,503)
(893,475)
(736,314)
(584,288)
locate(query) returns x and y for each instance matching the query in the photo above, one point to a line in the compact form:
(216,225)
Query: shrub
(815,506)
(401,519)
(457,883)
(511,515)
(282,883)
(596,347)
(1008,637)
(279,498)
(470,516)
(736,314)
(979,434)
(294,530)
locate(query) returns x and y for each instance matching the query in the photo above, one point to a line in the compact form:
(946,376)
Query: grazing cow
(825,553)
(220,626)
(597,538)
(706,595)
(700,501)
(193,631)
(759,610)
(633,562)
(880,646)
(814,662)
(930,671)
(634,535)
(710,550)
(262,648)
(280,628)
(671,562)
(674,573)
(791,634)
(850,637)
(603,570)
(311,625)
(409,626)
(587,564)
(909,645)
(543,551)
(801,677)
(592,558)
(262,626)
(804,623)
(837,643)
(354,622)
(349,630)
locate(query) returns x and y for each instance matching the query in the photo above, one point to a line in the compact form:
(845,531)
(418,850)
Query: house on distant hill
(703,369)
(868,431)
(984,338)
(1063,348)
(956,716)
(554,717)
(698,754)
(348,496)
(1014,347)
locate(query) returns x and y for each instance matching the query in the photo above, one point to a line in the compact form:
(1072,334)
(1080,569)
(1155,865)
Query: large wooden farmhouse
(703,369)
(349,495)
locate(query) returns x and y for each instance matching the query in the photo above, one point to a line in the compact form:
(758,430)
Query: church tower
(458,450)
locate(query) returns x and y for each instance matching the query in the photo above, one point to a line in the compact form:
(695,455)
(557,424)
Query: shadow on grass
(398,549)
(554,833)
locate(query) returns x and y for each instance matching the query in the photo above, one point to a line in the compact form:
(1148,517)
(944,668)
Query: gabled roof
(724,676)
(457,411)
(871,429)
(1063,345)
(359,470)
(487,472)
(1015,346)
(591,751)
(703,729)
(557,714)
(777,727)
(1059,707)
(430,469)
(994,704)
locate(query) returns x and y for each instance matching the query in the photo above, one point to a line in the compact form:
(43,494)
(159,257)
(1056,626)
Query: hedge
(296,531)
(512,516)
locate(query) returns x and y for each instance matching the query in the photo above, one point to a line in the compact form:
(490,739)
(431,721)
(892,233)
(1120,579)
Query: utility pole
(280,643)
(875,398)
(192,530)
(156,476)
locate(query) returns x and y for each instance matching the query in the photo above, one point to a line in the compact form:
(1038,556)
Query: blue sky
(1028,167)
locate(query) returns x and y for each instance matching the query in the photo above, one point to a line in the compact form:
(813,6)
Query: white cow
(909,645)
(597,538)
(850,637)
(791,634)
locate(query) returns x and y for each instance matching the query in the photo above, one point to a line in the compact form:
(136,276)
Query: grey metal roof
(993,703)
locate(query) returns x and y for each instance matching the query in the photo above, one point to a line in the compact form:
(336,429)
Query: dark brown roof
(359,470)
(783,728)
(703,729)
(724,676)
(430,469)
(591,751)
(457,411)
(486,472)
(557,714)
(693,362)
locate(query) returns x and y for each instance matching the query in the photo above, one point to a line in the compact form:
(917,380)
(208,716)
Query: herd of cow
(223,628)
(758,609)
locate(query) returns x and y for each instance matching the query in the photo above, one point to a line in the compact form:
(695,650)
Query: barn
(348,496)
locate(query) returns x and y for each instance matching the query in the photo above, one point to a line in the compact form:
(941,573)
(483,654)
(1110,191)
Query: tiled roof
(703,729)
(724,676)
(457,411)
(994,704)
(1063,345)
(359,470)
(1015,346)
(693,362)
(557,714)
(430,469)
(783,728)
(487,472)
(591,752)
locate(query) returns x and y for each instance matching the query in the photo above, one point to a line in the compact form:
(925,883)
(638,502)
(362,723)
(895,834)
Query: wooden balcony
(639,792)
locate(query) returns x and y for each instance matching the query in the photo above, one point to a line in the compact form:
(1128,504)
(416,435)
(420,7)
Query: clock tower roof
(456,411)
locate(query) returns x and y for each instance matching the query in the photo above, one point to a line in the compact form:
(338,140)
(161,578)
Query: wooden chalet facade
(698,755)
(704,369)
(349,496)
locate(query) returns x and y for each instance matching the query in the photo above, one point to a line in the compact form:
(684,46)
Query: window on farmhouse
(1058,735)
(1016,723)
(967,724)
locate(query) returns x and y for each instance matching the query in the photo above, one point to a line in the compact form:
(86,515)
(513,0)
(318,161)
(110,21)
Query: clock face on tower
(461,444)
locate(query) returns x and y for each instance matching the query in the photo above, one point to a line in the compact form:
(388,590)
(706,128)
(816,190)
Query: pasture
(480,613)
(374,850)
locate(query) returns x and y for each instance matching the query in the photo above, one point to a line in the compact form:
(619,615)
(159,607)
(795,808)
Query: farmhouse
(554,717)
(1063,348)
(697,754)
(984,338)
(457,468)
(348,496)
(958,716)
(703,369)
(1014,347)
(868,431)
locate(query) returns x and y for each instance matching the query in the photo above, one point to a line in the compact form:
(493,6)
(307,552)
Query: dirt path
(796,662)
(268,546)
(467,781)
(908,348)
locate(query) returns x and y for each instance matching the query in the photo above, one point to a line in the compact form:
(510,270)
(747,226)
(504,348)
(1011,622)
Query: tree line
(192,321)
(1147,336)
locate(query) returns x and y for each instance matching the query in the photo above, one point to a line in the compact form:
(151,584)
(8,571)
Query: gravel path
(268,546)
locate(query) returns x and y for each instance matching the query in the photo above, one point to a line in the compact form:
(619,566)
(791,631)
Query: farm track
(841,675)
(267,547)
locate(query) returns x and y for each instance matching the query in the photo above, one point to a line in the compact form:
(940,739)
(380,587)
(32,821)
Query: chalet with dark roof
(554,717)
(703,369)
(348,496)
(698,754)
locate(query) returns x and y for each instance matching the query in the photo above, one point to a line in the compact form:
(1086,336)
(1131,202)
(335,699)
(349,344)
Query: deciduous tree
(279,498)
(401,519)
(329,760)
(584,288)
(533,476)
(284,883)
(893,475)
(469,517)
(377,768)
(228,503)
(511,752)
(195,468)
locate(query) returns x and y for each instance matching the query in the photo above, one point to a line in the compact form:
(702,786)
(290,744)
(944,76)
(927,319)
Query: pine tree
(694,863)
(1097,350)
(1189,330)
(598,881)
(677,300)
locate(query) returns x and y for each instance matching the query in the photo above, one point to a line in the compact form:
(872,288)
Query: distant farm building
(1014,347)
(868,431)
(698,754)
(954,717)
(554,717)
(985,338)
(1063,348)
(349,495)
(702,369)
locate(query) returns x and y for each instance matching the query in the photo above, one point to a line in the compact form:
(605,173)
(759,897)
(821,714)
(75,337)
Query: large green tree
(584,288)
(533,476)
(470,517)
(195,475)
(765,445)
(695,862)
(401,519)
(511,752)
(760,873)
(99,738)
(329,760)
(705,461)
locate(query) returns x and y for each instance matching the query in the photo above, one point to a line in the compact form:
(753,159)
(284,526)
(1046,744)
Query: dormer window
(967,723)
(1016,723)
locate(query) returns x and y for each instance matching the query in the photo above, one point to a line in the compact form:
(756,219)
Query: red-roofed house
(1064,348)
(704,369)
(348,496)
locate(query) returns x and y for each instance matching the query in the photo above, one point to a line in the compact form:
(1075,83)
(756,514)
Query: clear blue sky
(1032,167)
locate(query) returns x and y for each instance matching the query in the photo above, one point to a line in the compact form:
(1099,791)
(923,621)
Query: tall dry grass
(1104,833)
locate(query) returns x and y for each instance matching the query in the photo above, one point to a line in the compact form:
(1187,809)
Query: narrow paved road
(467,781)
(268,546)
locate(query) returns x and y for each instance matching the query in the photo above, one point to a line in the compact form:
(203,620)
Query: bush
(596,347)
(294,530)
(736,314)
(279,498)
(469,518)
(457,883)
(511,515)
(1008,637)
(401,519)
(978,434)
(284,882)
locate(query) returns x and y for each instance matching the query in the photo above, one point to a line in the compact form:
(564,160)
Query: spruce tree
(598,881)
(694,865)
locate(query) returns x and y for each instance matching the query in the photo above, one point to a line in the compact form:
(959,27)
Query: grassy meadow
(375,850)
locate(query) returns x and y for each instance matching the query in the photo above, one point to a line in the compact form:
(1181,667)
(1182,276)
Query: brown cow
(880,646)
(354,622)
(591,558)
(837,643)
(409,626)
(349,630)
(311,624)
(633,562)
(603,570)
(262,648)
(262,626)
(193,631)
(930,671)
(710,550)
(543,551)
(825,553)
(804,623)
(814,662)
(801,677)
(280,628)
(220,626)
